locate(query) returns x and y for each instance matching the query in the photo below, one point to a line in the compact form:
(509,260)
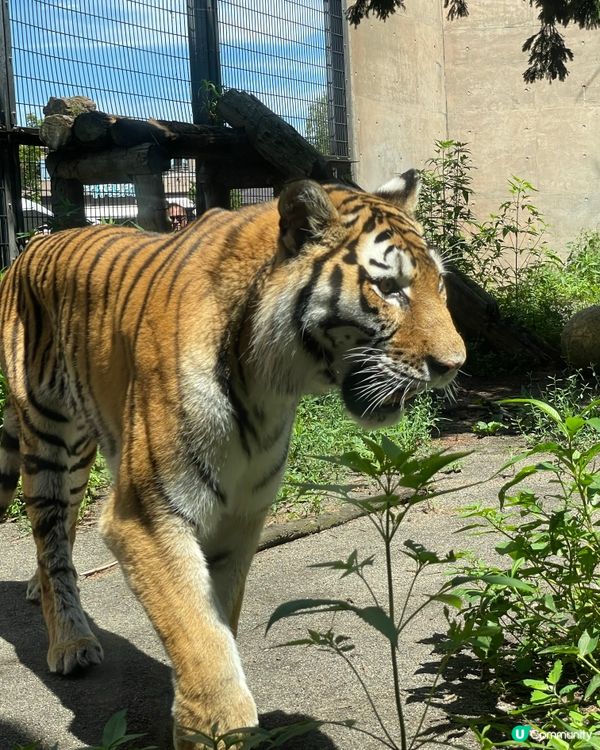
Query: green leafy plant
(317,124)
(114,735)
(30,160)
(488,428)
(401,481)
(507,253)
(444,207)
(552,290)
(322,428)
(211,93)
(569,393)
(510,241)
(533,621)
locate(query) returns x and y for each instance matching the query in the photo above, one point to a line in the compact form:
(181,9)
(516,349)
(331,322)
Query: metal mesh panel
(280,52)
(4,244)
(131,57)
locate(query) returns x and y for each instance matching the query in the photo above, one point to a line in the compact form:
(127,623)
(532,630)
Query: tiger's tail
(10,457)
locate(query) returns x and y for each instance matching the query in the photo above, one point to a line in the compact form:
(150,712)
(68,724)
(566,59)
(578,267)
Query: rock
(581,338)
(55,131)
(69,105)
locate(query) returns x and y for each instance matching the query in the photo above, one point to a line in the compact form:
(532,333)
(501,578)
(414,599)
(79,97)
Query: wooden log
(151,202)
(92,129)
(68,204)
(114,165)
(211,192)
(275,140)
(208,142)
(249,173)
(127,132)
(476,315)
(180,139)
(55,131)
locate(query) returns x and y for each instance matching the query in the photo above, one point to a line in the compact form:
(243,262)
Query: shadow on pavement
(128,678)
(460,691)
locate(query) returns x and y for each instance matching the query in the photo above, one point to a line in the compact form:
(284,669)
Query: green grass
(322,428)
(551,291)
(569,393)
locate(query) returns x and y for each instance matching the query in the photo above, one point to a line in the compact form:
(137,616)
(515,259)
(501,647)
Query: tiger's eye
(388,285)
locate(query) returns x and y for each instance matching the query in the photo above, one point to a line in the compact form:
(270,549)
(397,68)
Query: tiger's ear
(305,212)
(402,191)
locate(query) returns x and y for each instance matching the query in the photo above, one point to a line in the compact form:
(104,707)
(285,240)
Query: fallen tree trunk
(275,140)
(112,165)
(476,315)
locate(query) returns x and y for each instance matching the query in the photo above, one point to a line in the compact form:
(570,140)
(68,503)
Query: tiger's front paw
(79,653)
(232,711)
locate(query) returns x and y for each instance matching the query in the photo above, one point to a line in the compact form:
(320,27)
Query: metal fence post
(205,72)
(336,78)
(11,213)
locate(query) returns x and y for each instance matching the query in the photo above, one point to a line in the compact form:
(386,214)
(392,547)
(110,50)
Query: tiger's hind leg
(83,454)
(47,444)
(10,458)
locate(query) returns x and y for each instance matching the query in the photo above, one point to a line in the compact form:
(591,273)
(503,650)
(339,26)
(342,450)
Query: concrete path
(288,683)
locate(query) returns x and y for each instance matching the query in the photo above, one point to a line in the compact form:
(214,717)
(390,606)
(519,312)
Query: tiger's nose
(442,367)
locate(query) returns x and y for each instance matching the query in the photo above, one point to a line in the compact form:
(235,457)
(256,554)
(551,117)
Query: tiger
(183,357)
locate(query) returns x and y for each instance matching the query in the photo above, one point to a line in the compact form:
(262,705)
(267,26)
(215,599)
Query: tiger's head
(366,295)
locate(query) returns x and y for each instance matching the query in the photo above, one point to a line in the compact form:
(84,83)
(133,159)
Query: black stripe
(217,558)
(97,416)
(52,519)
(243,421)
(352,198)
(9,481)
(79,444)
(44,501)
(378,264)
(126,260)
(350,256)
(387,234)
(272,473)
(302,303)
(205,472)
(56,570)
(269,440)
(34,464)
(54,416)
(199,236)
(335,321)
(9,442)
(84,462)
(389,250)
(369,224)
(335,281)
(47,437)
(77,490)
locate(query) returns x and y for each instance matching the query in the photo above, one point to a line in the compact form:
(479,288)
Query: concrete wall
(398,100)
(418,77)
(546,133)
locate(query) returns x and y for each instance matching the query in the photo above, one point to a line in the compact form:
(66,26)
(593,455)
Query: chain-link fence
(139,58)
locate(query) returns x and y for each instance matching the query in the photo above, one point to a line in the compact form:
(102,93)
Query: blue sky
(131,56)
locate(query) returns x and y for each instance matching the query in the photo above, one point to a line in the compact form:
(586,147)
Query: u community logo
(520,732)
